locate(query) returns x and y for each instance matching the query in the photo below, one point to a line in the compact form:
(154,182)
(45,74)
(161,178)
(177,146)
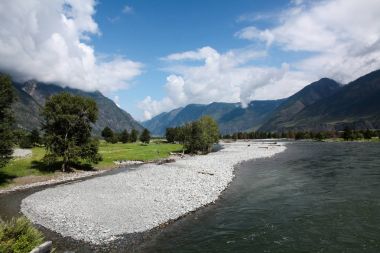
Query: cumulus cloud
(342,35)
(50,41)
(206,75)
(339,39)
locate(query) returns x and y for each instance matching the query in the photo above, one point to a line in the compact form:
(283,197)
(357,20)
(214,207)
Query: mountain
(355,105)
(231,117)
(32,95)
(322,105)
(313,92)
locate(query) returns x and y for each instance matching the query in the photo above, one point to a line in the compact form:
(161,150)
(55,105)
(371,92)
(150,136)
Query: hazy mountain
(356,105)
(32,96)
(231,117)
(313,92)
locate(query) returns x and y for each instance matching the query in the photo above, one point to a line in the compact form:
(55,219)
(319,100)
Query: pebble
(100,209)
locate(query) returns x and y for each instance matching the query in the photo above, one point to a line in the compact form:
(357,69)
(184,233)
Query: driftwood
(205,173)
(46,247)
(163,161)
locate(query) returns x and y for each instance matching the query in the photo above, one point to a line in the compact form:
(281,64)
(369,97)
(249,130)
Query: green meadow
(32,167)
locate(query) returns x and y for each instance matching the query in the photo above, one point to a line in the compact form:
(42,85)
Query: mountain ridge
(321,105)
(226,114)
(32,96)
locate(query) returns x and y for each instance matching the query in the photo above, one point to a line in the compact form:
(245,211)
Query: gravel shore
(99,209)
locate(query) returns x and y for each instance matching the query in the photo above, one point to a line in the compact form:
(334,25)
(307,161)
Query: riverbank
(100,209)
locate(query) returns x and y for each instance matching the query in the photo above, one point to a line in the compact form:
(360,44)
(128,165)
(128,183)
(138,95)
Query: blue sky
(155,29)
(155,56)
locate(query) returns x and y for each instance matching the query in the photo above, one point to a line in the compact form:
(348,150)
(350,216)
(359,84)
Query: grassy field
(134,151)
(29,167)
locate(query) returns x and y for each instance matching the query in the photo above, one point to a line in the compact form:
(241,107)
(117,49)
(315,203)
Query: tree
(368,134)
(145,136)
(320,136)
(35,137)
(107,132)
(134,135)
(124,136)
(6,119)
(109,135)
(67,125)
(348,134)
(170,134)
(203,134)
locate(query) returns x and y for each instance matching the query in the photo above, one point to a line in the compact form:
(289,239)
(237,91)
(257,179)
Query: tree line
(197,136)
(125,136)
(347,134)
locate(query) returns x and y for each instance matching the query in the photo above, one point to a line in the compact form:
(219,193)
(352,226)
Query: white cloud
(339,39)
(343,35)
(252,33)
(49,41)
(116,99)
(297,2)
(127,9)
(223,77)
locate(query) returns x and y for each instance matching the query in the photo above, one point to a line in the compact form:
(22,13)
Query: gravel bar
(100,209)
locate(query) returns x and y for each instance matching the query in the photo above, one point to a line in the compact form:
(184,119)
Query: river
(314,197)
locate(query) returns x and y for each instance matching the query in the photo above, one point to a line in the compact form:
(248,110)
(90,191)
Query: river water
(314,197)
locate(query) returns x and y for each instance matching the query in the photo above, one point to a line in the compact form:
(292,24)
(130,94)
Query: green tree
(109,135)
(6,119)
(67,125)
(170,134)
(348,134)
(124,136)
(368,134)
(145,136)
(107,132)
(204,133)
(134,135)
(35,137)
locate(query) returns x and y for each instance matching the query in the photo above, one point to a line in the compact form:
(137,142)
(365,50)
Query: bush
(19,236)
(112,139)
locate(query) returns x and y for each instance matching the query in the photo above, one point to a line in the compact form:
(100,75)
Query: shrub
(19,236)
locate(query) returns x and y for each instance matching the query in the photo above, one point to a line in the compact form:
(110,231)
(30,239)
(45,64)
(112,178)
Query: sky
(154,56)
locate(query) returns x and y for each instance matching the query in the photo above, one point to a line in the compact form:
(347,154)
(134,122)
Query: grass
(134,151)
(19,168)
(19,235)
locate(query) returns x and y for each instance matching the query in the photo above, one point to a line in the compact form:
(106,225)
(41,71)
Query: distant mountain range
(322,105)
(31,97)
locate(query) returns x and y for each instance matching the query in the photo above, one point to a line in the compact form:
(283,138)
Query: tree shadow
(5,178)
(46,167)
(82,166)
(57,166)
